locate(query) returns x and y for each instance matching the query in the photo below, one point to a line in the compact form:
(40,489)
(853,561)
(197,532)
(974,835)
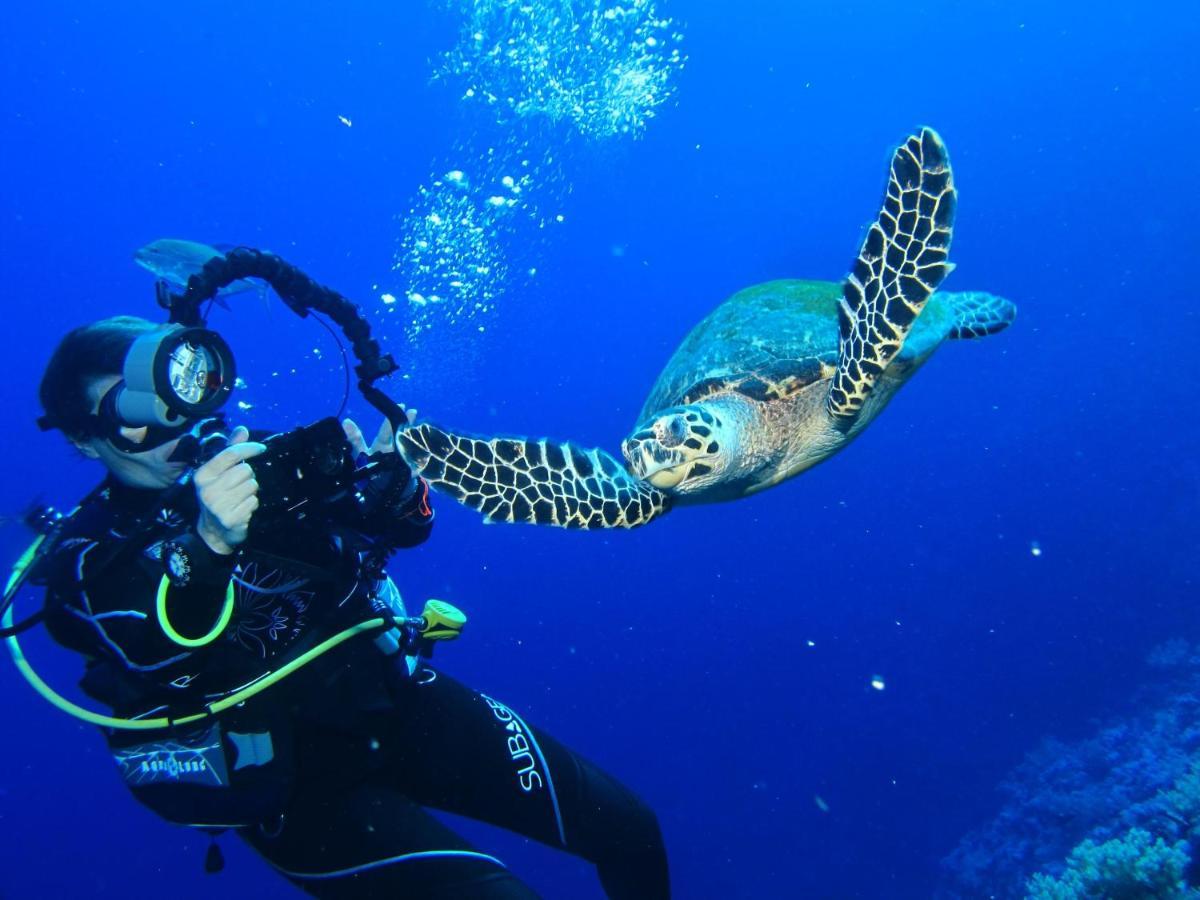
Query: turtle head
(684,449)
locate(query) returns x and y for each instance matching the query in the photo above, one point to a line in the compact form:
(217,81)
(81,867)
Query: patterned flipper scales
(978,314)
(536,481)
(900,265)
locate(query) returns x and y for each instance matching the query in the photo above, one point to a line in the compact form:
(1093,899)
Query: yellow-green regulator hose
(212,709)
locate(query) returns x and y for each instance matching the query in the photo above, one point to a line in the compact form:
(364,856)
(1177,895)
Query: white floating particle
(345,121)
(389,299)
(558,218)
(810,643)
(416,298)
(877,682)
(496,201)
(1035,549)
(507,181)
(243,405)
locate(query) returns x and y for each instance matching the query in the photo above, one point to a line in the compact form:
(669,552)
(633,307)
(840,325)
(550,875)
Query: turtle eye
(670,432)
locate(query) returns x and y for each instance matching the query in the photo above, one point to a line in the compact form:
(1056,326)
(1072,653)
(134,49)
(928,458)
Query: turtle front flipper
(537,481)
(900,265)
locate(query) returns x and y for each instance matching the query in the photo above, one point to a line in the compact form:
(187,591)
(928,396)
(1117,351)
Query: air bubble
(539,70)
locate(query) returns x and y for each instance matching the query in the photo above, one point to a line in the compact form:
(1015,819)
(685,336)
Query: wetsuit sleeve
(194,610)
(103,600)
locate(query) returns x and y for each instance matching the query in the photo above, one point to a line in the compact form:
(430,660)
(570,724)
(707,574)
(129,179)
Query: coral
(1139,772)
(1133,867)
(1182,802)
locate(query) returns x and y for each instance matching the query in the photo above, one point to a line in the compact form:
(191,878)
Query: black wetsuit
(326,773)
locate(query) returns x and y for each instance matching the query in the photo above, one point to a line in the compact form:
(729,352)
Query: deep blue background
(675,655)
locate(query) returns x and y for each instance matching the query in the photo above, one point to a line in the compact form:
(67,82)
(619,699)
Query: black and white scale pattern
(900,265)
(535,481)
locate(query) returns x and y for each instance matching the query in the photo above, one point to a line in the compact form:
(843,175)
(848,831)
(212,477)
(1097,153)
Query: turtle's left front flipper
(536,481)
(900,265)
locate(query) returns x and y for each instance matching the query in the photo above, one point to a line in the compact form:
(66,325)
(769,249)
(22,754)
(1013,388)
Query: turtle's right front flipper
(900,265)
(542,482)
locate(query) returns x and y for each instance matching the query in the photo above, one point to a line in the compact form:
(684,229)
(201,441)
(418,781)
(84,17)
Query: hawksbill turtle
(778,378)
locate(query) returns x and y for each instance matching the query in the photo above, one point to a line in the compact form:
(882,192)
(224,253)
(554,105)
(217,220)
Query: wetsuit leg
(467,753)
(368,841)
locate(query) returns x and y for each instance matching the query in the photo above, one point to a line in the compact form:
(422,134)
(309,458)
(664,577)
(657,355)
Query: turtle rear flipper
(536,481)
(900,265)
(978,314)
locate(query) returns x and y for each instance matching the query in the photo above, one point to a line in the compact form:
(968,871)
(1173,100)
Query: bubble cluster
(603,67)
(543,72)
(470,235)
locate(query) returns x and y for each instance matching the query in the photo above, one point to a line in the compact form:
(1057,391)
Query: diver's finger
(355,436)
(240,434)
(231,478)
(225,460)
(383,439)
(411,415)
(237,494)
(243,511)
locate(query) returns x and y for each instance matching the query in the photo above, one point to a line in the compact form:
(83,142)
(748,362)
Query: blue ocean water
(1002,549)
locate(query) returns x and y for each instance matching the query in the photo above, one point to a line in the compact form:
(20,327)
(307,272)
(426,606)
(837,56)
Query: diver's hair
(83,355)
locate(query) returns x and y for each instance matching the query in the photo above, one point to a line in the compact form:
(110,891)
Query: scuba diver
(227,591)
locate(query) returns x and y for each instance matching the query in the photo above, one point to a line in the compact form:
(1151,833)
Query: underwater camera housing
(312,466)
(308,465)
(301,470)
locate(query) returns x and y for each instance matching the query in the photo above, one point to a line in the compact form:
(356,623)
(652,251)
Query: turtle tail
(536,481)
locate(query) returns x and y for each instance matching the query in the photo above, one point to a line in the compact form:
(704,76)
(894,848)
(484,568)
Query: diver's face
(684,449)
(151,469)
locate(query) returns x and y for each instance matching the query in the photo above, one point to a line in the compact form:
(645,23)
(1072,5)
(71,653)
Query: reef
(1114,815)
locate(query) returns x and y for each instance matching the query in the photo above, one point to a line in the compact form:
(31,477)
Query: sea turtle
(778,378)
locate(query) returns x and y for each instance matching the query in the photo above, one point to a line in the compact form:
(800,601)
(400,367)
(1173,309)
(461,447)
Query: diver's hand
(384,439)
(228,493)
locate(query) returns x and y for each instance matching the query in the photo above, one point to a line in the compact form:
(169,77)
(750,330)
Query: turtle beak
(650,461)
(646,456)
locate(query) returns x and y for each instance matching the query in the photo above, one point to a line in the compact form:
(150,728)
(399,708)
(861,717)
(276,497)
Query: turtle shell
(770,340)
